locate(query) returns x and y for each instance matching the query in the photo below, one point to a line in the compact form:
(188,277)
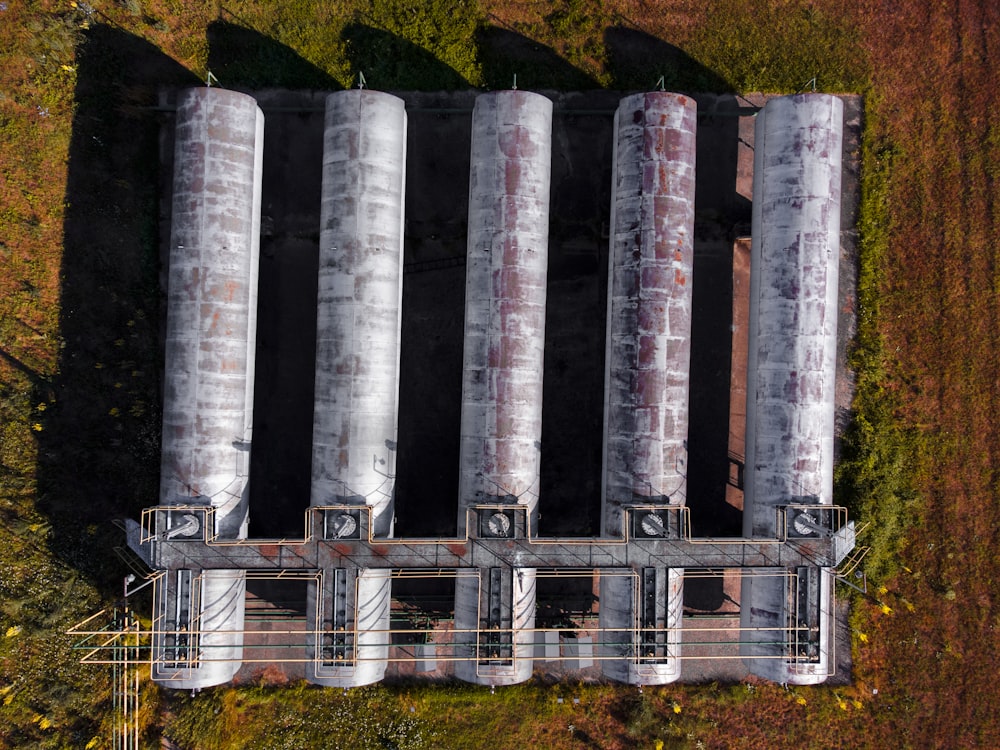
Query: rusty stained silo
(501,419)
(647,371)
(357,368)
(209,372)
(792,374)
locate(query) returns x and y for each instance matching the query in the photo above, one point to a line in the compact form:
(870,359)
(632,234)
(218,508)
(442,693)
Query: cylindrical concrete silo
(792,371)
(357,345)
(504,344)
(210,343)
(647,369)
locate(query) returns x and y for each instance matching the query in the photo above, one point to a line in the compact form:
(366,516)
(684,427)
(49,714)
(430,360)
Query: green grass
(874,478)
(396,45)
(429,716)
(296,718)
(554,716)
(778,46)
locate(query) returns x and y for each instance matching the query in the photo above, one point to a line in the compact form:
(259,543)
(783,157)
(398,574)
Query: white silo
(209,368)
(792,373)
(357,357)
(501,418)
(647,370)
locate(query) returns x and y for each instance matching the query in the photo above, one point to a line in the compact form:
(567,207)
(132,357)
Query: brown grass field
(79,381)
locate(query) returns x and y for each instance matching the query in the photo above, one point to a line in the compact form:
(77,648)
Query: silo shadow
(281,462)
(430,386)
(99,446)
(638,60)
(505,54)
(240,56)
(433,303)
(390,62)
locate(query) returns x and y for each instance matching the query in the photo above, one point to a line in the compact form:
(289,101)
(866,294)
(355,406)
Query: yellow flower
(45,723)
(863,637)
(42,406)
(857,703)
(843,705)
(677,708)
(13,630)
(8,699)
(37,427)
(886,609)
(800,700)
(114,411)
(883,590)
